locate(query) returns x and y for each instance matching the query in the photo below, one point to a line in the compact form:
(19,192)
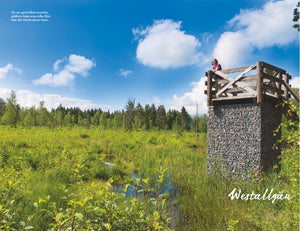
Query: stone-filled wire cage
(243,113)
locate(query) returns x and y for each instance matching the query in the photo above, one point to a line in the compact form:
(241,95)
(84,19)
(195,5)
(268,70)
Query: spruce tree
(161,117)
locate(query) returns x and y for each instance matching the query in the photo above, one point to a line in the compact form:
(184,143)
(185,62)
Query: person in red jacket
(216,67)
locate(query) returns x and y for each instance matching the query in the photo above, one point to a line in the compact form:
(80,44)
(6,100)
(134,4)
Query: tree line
(133,117)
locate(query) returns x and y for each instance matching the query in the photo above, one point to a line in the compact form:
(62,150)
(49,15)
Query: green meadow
(64,179)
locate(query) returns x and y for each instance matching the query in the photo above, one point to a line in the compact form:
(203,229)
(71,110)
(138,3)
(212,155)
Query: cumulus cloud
(190,99)
(295,82)
(57,64)
(256,29)
(53,101)
(4,93)
(30,99)
(75,64)
(156,101)
(124,73)
(165,45)
(9,67)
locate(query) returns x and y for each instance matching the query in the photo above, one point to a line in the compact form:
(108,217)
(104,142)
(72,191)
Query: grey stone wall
(240,138)
(271,119)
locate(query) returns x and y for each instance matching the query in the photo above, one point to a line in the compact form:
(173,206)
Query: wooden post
(296,96)
(259,82)
(209,88)
(278,86)
(285,90)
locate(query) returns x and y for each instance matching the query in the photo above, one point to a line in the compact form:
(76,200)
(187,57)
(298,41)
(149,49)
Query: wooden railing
(252,81)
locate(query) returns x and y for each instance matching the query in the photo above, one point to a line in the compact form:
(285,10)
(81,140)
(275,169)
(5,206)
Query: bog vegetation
(60,175)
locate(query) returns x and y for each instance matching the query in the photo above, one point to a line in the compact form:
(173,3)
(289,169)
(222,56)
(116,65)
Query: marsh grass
(61,164)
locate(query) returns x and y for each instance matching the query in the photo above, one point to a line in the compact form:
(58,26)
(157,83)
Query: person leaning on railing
(216,67)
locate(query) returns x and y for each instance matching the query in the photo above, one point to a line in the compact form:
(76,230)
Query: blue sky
(95,54)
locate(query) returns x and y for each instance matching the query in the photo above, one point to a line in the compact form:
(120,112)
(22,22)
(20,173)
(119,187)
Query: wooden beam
(272,78)
(222,81)
(278,86)
(259,82)
(271,67)
(286,79)
(239,90)
(212,92)
(236,90)
(233,81)
(239,69)
(291,90)
(273,89)
(234,97)
(209,88)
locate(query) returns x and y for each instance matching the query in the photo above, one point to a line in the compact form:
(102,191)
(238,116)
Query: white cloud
(190,99)
(156,101)
(4,93)
(53,101)
(124,73)
(29,99)
(79,64)
(9,67)
(76,64)
(56,65)
(295,82)
(165,45)
(257,29)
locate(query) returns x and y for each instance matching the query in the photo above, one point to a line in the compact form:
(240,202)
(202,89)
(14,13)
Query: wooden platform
(267,81)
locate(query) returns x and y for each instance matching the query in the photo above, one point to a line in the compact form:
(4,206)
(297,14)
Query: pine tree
(185,120)
(161,117)
(147,116)
(129,115)
(139,116)
(152,116)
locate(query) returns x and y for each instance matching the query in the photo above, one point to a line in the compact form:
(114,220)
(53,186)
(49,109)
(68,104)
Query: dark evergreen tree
(185,120)
(152,116)
(129,115)
(147,116)
(161,118)
(139,116)
(171,118)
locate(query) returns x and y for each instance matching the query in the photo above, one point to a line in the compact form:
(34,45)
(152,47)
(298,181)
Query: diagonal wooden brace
(234,80)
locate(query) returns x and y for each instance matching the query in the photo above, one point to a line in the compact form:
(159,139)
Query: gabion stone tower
(243,113)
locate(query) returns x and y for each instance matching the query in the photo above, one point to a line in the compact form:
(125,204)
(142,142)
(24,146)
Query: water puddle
(134,190)
(164,189)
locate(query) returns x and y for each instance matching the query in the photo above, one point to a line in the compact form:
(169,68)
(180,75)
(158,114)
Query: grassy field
(59,179)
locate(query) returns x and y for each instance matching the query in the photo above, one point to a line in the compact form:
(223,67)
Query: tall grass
(61,164)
